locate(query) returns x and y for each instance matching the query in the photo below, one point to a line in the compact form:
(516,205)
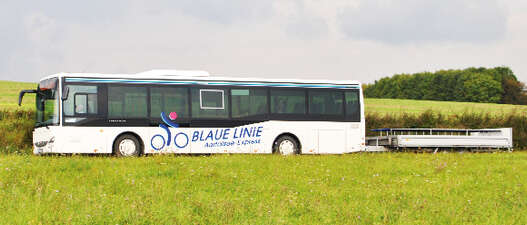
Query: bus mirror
(65,93)
(21,95)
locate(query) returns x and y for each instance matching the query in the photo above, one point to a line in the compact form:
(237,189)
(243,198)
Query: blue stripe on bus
(91,80)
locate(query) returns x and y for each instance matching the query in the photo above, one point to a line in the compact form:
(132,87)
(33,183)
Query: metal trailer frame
(408,138)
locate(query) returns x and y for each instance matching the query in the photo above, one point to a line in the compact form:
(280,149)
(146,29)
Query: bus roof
(178,75)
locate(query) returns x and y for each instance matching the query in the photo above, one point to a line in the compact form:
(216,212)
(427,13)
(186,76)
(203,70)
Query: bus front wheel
(126,145)
(286,145)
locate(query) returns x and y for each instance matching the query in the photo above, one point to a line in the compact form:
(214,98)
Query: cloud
(308,27)
(32,34)
(214,11)
(267,38)
(300,20)
(409,21)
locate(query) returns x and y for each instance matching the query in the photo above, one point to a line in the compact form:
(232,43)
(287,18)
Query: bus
(187,112)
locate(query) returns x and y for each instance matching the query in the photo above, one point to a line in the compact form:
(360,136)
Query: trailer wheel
(286,145)
(127,145)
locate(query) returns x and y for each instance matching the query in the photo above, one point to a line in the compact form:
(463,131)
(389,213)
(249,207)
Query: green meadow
(399,106)
(9,95)
(387,188)
(402,188)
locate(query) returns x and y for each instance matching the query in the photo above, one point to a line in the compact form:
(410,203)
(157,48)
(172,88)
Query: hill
(399,106)
(9,91)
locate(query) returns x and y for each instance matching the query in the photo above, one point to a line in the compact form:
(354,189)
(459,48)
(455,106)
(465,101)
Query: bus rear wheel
(126,145)
(286,145)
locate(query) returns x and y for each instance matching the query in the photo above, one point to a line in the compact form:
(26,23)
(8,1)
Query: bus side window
(248,102)
(288,101)
(169,99)
(81,103)
(210,103)
(352,105)
(81,99)
(326,102)
(127,102)
(211,99)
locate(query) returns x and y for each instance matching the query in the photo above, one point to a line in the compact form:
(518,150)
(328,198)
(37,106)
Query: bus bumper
(43,140)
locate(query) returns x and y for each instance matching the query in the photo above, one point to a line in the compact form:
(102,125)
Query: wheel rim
(286,147)
(127,147)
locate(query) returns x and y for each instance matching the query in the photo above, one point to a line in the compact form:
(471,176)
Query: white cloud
(223,11)
(275,38)
(407,21)
(300,20)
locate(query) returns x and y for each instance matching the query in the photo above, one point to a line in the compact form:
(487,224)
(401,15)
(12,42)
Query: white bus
(171,111)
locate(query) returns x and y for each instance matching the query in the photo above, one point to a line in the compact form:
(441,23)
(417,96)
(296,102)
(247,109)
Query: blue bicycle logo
(159,142)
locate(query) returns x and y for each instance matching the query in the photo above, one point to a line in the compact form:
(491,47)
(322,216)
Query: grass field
(397,106)
(9,95)
(396,188)
(405,188)
(9,100)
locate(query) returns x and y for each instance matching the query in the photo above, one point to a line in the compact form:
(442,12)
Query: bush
(493,85)
(16,127)
(16,131)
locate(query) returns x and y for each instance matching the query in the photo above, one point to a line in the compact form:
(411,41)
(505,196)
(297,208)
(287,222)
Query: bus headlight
(41,144)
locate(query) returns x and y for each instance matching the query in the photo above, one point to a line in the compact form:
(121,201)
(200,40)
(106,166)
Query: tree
(471,84)
(482,88)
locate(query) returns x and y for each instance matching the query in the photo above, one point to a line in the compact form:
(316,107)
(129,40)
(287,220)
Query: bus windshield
(47,103)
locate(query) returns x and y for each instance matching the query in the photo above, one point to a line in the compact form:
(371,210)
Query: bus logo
(158,141)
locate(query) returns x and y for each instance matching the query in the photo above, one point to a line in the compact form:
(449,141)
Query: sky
(362,40)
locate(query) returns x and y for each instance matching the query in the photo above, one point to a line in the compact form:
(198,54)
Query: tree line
(493,85)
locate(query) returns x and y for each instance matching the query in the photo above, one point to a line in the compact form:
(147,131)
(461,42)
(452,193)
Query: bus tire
(127,145)
(286,145)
